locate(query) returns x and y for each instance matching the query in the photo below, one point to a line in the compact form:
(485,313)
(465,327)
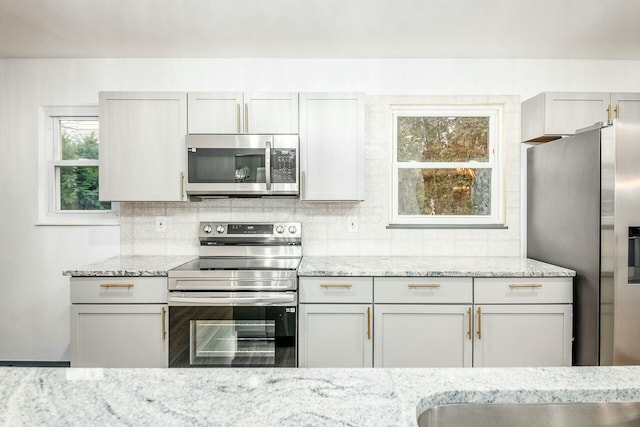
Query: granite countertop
(347,266)
(130,266)
(429,266)
(289,396)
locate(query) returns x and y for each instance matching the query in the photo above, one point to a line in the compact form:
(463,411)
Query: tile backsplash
(324,224)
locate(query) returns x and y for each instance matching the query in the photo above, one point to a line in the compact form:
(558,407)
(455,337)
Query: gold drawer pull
(117,285)
(424,285)
(530,285)
(336,285)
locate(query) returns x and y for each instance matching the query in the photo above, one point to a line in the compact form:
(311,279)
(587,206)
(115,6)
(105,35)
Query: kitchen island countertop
(287,397)
(429,266)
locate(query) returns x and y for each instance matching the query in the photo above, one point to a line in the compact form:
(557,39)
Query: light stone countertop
(287,397)
(130,266)
(429,266)
(346,266)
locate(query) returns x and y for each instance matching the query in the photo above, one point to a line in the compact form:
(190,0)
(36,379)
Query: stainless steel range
(236,305)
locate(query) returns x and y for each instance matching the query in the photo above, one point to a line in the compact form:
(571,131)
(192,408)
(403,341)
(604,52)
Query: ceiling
(573,29)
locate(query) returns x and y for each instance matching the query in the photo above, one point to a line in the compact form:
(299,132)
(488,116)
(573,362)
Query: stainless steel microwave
(242,165)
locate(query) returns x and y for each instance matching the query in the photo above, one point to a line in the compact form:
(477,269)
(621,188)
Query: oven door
(218,329)
(242,164)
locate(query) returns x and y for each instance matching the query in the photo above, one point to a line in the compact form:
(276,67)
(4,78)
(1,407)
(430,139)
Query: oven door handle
(253,300)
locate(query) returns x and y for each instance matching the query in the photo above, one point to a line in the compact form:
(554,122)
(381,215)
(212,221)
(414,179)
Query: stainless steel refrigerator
(583,213)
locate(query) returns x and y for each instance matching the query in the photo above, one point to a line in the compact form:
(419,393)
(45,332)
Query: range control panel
(285,230)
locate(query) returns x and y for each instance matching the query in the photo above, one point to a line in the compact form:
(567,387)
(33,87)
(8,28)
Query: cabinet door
(119,336)
(335,336)
(332,146)
(522,335)
(567,112)
(271,112)
(422,336)
(215,112)
(142,146)
(626,105)
(551,115)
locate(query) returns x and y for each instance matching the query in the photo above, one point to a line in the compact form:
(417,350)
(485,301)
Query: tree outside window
(446,167)
(77,177)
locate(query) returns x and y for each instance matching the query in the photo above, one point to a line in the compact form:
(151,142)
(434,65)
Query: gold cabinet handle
(116,285)
(246,118)
(238,116)
(609,112)
(424,285)
(368,323)
(336,285)
(526,285)
(302,186)
(617,111)
(470,322)
(479,324)
(164,329)
(181,185)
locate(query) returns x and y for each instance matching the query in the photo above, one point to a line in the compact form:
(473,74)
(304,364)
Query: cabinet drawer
(118,290)
(523,290)
(336,289)
(408,290)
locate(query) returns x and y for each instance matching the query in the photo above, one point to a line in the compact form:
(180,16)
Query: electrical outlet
(352,224)
(161,224)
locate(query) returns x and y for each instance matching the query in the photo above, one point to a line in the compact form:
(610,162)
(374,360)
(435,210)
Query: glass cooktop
(203,264)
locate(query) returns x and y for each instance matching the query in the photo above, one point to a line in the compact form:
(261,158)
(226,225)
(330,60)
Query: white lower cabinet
(523,321)
(522,335)
(118,336)
(335,336)
(435,322)
(119,322)
(335,322)
(415,336)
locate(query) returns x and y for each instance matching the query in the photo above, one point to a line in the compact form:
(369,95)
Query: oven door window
(202,336)
(232,342)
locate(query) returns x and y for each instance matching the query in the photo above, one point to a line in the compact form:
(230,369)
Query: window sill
(444,226)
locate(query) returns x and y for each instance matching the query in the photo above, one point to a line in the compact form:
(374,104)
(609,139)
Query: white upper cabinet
(551,115)
(215,112)
(142,146)
(237,112)
(332,146)
(626,105)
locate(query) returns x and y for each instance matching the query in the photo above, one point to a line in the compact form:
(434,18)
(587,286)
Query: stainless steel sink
(619,414)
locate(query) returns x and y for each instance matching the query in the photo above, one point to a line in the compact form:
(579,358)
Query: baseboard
(34,364)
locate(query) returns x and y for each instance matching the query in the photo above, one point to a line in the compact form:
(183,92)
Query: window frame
(50,212)
(495,113)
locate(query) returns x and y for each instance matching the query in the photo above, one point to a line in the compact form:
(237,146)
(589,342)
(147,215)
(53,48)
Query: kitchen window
(447,167)
(70,171)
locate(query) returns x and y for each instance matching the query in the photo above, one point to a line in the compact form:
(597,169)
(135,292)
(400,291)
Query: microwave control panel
(283,166)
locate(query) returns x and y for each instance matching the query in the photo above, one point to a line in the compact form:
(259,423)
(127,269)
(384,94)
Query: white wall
(34,307)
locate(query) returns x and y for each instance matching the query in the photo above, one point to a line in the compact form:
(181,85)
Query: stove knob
(280,229)
(220,229)
(207,229)
(293,229)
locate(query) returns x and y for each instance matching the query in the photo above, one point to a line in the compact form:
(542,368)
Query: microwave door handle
(267,165)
